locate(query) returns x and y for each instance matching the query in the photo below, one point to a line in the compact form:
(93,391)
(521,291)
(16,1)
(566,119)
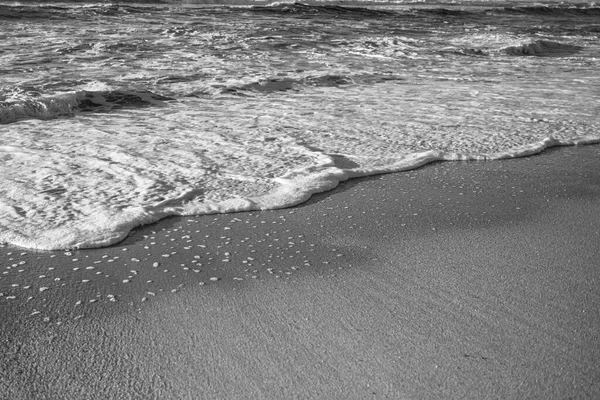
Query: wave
(556,10)
(39,10)
(303,9)
(355,11)
(359,9)
(445,12)
(284,84)
(20,11)
(544,48)
(71,103)
(548,10)
(67,104)
(118,8)
(107,226)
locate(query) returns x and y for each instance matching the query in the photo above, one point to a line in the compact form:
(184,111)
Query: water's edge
(286,196)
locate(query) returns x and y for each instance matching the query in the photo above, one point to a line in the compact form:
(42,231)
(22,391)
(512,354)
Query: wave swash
(114,116)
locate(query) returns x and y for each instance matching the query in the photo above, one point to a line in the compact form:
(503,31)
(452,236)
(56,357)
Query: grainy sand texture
(457,280)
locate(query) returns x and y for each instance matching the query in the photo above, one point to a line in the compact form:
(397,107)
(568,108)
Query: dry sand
(456,280)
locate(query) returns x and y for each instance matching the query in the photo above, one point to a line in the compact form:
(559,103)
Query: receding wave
(69,103)
(544,48)
(100,225)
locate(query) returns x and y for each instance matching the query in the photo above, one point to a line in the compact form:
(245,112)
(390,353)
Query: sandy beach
(456,280)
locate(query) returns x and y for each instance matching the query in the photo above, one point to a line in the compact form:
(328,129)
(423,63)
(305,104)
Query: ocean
(115,115)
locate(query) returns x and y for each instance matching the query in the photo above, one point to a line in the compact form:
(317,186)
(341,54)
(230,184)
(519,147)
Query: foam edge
(291,192)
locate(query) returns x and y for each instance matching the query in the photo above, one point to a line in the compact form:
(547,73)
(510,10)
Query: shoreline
(288,195)
(453,280)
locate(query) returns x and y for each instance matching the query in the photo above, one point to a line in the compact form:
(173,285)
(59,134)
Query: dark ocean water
(118,114)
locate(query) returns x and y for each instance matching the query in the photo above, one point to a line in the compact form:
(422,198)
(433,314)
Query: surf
(68,104)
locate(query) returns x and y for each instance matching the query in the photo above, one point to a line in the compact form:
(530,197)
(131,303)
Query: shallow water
(114,116)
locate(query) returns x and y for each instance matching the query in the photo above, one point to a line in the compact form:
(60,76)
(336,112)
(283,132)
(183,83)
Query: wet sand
(456,280)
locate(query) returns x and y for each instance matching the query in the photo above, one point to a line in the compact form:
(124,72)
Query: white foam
(87,181)
(290,129)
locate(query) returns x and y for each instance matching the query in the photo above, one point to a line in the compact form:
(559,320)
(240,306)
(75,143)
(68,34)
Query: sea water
(114,115)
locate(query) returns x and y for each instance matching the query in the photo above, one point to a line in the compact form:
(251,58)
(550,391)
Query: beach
(454,280)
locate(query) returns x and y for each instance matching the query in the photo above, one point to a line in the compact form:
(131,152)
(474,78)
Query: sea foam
(117,117)
(91,179)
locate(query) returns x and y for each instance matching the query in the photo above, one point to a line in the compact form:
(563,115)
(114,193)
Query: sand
(457,280)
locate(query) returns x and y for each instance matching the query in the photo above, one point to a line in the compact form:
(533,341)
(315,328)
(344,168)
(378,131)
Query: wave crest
(559,11)
(543,48)
(327,80)
(303,9)
(67,104)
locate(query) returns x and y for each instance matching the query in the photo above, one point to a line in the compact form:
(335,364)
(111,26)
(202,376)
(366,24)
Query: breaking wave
(279,84)
(544,48)
(350,10)
(69,103)
(303,9)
